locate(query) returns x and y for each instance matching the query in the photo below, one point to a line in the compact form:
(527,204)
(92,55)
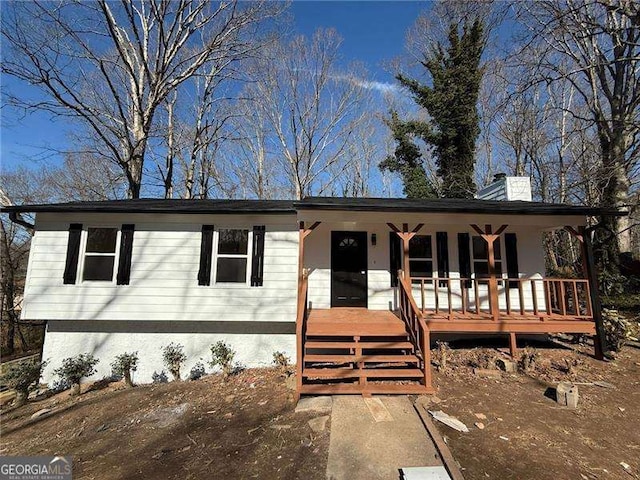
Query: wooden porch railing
(301,325)
(538,297)
(413,317)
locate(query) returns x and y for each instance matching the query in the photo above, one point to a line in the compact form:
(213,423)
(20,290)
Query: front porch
(373,350)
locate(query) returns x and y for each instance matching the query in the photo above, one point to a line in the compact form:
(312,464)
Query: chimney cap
(499,176)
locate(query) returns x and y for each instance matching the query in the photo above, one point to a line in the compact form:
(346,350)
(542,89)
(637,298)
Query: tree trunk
(127,378)
(75,390)
(614,187)
(21,398)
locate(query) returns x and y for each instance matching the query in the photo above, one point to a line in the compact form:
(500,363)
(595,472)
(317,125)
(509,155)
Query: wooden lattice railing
(539,297)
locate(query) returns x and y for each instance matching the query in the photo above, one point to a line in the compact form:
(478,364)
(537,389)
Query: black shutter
(257,258)
(206,252)
(73,253)
(511,250)
(126,246)
(395,257)
(442,252)
(464,257)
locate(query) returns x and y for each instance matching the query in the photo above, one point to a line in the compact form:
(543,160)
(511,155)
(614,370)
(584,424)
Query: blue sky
(373,33)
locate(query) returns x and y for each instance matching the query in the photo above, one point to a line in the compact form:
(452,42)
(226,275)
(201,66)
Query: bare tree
(112,65)
(595,46)
(309,106)
(19,186)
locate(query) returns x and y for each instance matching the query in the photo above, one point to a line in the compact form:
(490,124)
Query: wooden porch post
(589,271)
(406,236)
(490,238)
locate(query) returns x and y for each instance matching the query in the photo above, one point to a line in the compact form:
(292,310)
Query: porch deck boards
(362,322)
(351,322)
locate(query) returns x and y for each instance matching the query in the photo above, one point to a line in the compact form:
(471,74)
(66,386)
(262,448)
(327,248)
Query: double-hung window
(100,254)
(421,256)
(232,256)
(481,257)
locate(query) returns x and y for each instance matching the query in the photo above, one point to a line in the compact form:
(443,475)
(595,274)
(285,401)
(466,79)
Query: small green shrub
(123,365)
(23,377)
(197,371)
(174,357)
(222,356)
(74,369)
(281,360)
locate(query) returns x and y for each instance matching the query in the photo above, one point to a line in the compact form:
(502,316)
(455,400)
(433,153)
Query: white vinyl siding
(164,272)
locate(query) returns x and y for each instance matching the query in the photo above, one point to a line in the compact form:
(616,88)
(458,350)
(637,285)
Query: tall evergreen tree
(454,124)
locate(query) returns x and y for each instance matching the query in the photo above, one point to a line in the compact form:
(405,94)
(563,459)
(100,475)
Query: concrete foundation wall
(254,343)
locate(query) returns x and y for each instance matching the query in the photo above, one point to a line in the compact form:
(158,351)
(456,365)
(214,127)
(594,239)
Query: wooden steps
(378,345)
(361,358)
(337,373)
(367,389)
(359,351)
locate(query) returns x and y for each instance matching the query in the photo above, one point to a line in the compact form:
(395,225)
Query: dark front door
(348,269)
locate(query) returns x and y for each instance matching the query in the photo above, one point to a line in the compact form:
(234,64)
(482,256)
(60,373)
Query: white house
(317,279)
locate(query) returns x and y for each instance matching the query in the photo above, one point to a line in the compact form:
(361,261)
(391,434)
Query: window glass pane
(481,269)
(231,270)
(420,246)
(496,249)
(480,251)
(421,268)
(98,268)
(101,240)
(233,242)
(479,248)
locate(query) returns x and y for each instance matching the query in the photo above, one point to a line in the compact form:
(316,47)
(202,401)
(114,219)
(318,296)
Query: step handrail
(301,320)
(416,324)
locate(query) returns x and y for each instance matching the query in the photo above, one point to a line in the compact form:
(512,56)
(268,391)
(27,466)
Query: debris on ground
(314,404)
(449,421)
(318,424)
(485,372)
(549,441)
(176,430)
(567,394)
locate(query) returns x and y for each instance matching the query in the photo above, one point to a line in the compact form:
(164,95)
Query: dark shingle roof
(441,205)
(162,205)
(449,205)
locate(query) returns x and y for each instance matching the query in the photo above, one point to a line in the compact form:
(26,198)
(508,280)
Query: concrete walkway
(371,439)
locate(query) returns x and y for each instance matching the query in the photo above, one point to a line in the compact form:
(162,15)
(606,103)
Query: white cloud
(382,87)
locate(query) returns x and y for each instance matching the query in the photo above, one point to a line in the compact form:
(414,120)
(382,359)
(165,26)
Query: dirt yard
(242,428)
(526,435)
(246,428)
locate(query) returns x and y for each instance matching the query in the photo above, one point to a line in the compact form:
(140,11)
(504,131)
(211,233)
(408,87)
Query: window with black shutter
(511,252)
(206,253)
(73,254)
(442,256)
(232,253)
(464,258)
(395,257)
(257,257)
(126,249)
(481,257)
(100,254)
(421,256)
